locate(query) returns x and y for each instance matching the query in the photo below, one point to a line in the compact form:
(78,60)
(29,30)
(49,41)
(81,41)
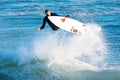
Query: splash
(64,50)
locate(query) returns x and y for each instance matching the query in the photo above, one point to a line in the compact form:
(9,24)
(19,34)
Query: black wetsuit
(54,27)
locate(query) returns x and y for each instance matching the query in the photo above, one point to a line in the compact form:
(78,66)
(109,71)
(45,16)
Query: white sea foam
(75,46)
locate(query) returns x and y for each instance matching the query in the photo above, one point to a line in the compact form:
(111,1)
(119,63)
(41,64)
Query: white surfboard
(68,24)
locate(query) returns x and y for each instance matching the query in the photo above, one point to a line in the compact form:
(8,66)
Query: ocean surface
(26,54)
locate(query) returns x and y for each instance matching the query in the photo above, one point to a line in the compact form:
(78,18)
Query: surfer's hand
(38,29)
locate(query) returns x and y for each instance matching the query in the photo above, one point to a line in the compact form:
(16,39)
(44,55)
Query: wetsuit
(54,27)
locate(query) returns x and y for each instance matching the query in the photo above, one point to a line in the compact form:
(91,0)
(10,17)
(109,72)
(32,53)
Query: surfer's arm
(44,22)
(43,25)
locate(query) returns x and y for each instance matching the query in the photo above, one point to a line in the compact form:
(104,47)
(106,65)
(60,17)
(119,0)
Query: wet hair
(47,10)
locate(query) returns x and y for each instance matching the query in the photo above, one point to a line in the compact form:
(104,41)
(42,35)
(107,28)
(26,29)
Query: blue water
(26,54)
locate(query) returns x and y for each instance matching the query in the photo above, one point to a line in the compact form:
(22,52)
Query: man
(48,13)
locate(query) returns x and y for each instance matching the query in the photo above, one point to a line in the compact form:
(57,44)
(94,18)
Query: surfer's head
(47,12)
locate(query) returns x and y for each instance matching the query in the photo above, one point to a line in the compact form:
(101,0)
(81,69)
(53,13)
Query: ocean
(26,54)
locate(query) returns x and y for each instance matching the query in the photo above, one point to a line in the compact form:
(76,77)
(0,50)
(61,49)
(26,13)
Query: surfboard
(68,24)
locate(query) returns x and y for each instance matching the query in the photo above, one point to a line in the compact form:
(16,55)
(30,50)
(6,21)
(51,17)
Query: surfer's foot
(67,16)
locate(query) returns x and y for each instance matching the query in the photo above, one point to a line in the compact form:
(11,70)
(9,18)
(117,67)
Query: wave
(62,46)
(60,55)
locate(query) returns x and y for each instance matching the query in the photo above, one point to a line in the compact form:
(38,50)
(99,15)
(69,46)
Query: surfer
(48,13)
